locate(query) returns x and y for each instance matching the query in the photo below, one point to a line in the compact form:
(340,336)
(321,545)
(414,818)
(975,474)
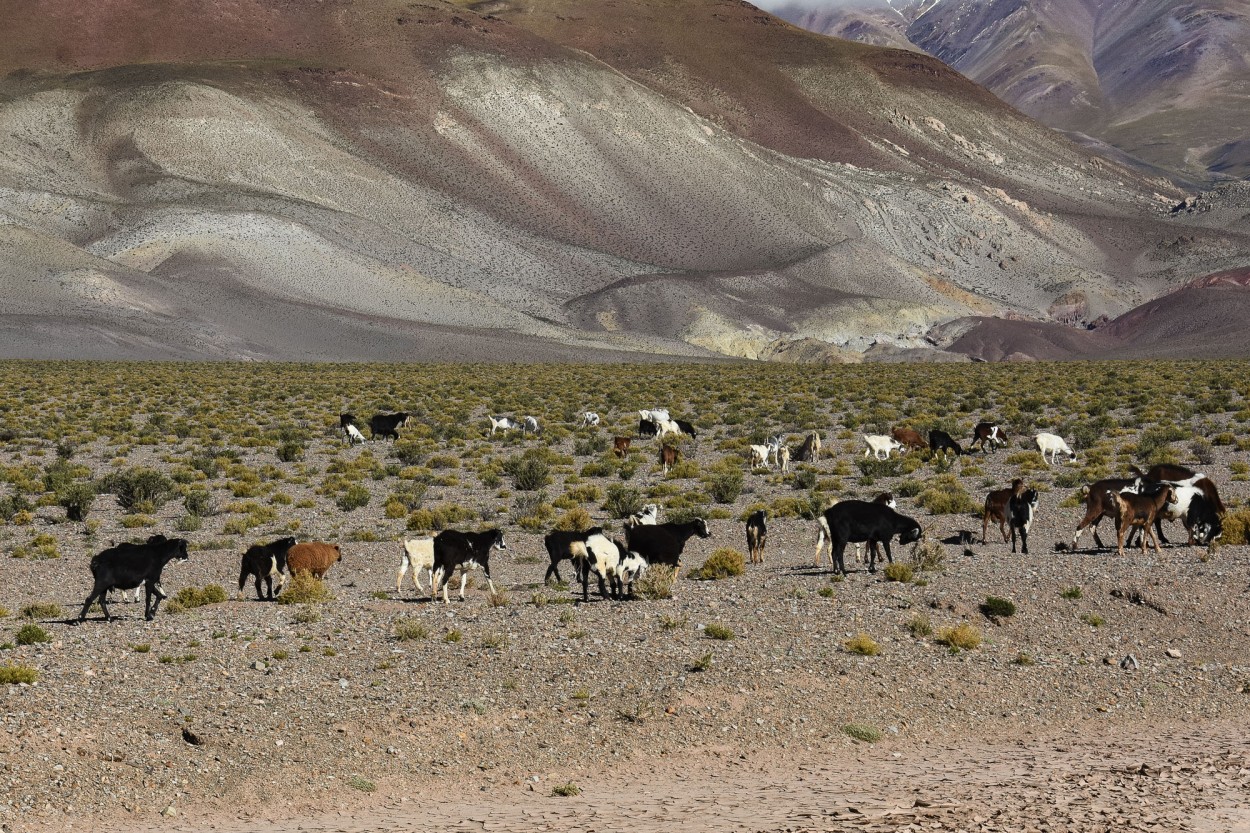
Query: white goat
(656,415)
(648,515)
(665,427)
(880,446)
(353,434)
(502,423)
(1054,444)
(530,424)
(590,419)
(417,553)
(783,458)
(759,456)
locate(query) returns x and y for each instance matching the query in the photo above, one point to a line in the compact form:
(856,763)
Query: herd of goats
(1136,504)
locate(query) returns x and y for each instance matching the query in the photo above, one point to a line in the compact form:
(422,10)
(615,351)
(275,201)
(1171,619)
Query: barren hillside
(526,180)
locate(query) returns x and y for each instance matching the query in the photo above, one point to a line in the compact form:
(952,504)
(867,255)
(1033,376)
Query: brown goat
(669,457)
(312,557)
(1098,506)
(809,451)
(996,503)
(1138,511)
(910,438)
(620,445)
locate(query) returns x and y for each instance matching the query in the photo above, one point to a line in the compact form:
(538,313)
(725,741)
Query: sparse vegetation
(863,645)
(862,731)
(898,571)
(996,607)
(722,563)
(963,637)
(305,589)
(715,630)
(11,674)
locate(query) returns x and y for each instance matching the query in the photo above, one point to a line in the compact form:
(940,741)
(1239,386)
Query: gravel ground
(237,710)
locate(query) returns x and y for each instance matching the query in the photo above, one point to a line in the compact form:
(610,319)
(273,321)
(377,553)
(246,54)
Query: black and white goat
(560,545)
(466,550)
(265,562)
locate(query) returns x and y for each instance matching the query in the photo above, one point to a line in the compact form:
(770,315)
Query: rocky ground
(279,715)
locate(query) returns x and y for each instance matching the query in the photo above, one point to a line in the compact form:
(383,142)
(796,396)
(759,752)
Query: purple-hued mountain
(1167,82)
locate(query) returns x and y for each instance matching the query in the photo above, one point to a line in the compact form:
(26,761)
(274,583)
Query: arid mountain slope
(248,178)
(1168,83)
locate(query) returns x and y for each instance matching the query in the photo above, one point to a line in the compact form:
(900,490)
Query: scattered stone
(1173,653)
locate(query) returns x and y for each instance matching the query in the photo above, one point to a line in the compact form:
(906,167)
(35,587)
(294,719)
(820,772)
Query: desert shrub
(945,495)
(529,471)
(1093,620)
(11,674)
(575,496)
(1070,593)
(963,637)
(898,571)
(192,597)
(861,731)
(862,644)
(928,554)
(42,546)
(30,634)
(592,445)
(622,501)
(715,630)
(198,502)
(12,506)
(908,488)
(574,520)
(531,512)
(439,517)
(996,607)
(724,484)
(42,610)
(805,477)
(140,489)
(919,626)
(408,497)
(303,589)
(355,497)
(566,790)
(1236,527)
(871,468)
(656,584)
(722,563)
(684,470)
(408,630)
(76,499)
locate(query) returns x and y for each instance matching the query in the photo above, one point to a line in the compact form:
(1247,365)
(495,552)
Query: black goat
(387,425)
(129,565)
(267,562)
(940,441)
(647,428)
(854,521)
(663,543)
(466,550)
(686,428)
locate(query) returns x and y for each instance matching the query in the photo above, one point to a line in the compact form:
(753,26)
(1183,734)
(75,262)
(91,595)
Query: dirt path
(1195,779)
